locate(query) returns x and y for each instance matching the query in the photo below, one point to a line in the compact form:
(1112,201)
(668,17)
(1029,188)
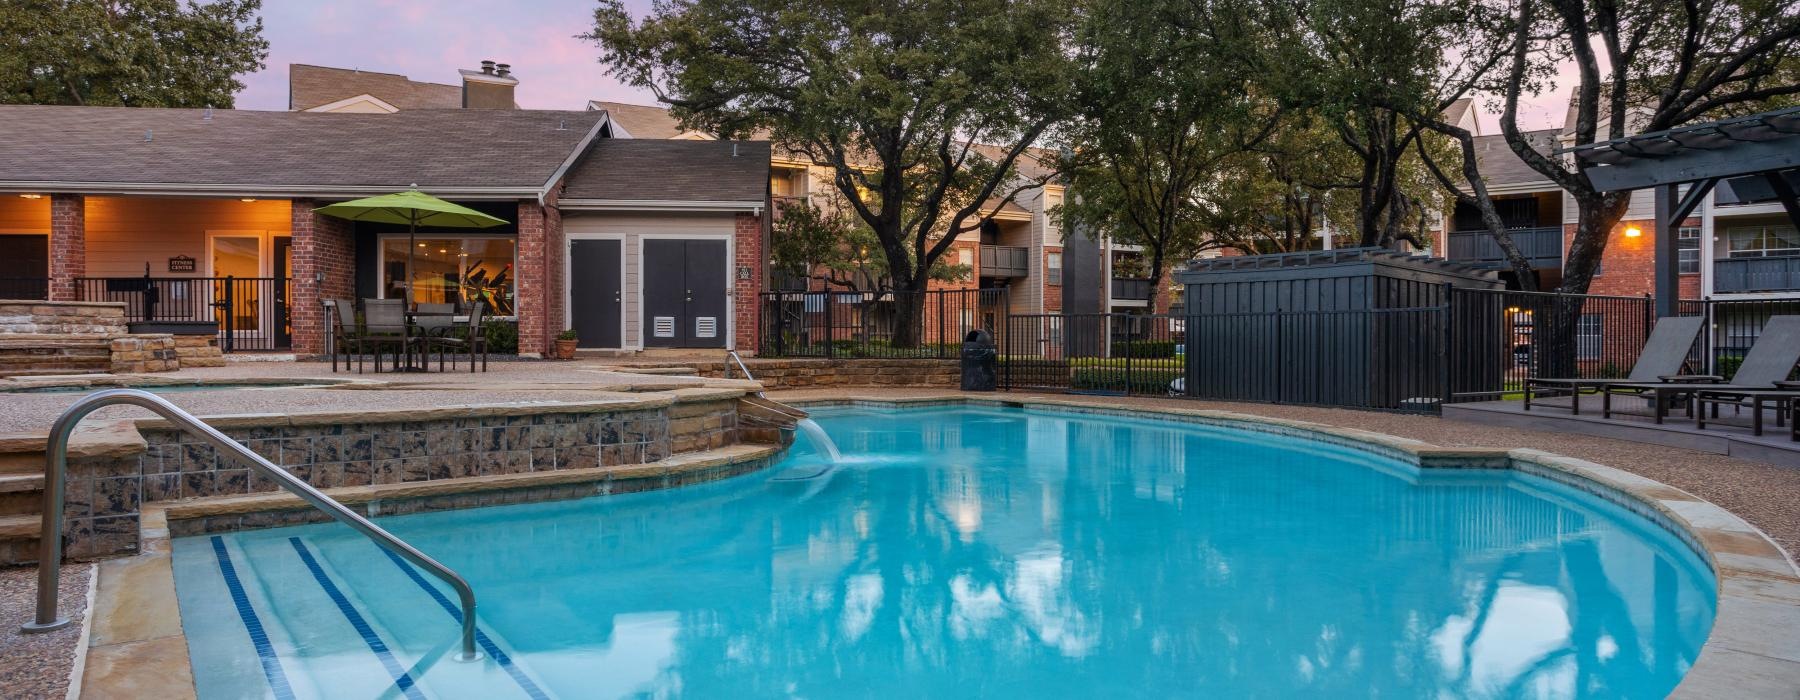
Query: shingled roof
(112,149)
(641,121)
(1500,166)
(660,170)
(311,86)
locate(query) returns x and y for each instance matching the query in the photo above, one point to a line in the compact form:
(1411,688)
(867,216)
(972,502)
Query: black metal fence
(838,324)
(1476,345)
(249,313)
(24,288)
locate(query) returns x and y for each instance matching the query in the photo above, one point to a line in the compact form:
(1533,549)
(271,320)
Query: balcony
(1130,289)
(1005,261)
(1542,246)
(1743,275)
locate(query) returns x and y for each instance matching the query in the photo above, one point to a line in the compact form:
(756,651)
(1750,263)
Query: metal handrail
(733,356)
(56,457)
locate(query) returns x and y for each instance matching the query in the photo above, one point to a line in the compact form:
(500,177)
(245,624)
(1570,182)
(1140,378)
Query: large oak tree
(128,53)
(893,97)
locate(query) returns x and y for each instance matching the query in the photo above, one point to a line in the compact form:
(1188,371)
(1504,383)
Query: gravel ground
(37,665)
(1767,496)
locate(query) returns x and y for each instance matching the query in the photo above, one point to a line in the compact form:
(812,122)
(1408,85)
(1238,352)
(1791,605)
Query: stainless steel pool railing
(56,458)
(733,356)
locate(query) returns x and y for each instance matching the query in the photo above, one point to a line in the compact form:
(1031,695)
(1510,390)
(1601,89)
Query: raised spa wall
(133,463)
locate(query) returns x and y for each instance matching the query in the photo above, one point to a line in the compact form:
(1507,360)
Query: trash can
(978,361)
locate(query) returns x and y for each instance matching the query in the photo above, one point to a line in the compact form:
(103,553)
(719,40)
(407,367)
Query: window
(1053,269)
(452,270)
(1762,241)
(965,256)
(1589,336)
(1687,249)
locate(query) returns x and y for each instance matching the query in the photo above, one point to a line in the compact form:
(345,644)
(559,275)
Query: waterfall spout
(820,440)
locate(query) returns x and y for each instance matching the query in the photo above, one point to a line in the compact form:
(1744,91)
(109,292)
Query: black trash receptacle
(978,361)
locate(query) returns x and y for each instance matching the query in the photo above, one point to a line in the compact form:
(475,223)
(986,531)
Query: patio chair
(1762,383)
(384,325)
(469,337)
(1770,360)
(346,340)
(432,322)
(1664,355)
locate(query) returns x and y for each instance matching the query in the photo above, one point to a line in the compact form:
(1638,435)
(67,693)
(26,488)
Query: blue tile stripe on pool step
(402,678)
(259,638)
(487,645)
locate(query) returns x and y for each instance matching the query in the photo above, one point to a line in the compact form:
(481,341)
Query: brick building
(206,218)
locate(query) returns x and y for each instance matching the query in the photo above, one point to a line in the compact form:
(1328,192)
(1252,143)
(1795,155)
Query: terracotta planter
(565,349)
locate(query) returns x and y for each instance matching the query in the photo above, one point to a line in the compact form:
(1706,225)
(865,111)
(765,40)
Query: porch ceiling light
(1633,232)
(32,196)
(247,199)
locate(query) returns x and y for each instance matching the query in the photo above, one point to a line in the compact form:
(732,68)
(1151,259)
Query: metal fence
(839,324)
(250,313)
(1476,345)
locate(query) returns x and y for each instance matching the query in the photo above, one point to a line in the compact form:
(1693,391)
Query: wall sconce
(1633,232)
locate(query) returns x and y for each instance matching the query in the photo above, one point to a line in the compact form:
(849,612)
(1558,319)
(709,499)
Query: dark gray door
(685,303)
(596,297)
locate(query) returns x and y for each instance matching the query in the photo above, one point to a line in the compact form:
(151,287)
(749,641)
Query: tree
(1366,67)
(828,244)
(1659,64)
(1165,102)
(129,53)
(894,98)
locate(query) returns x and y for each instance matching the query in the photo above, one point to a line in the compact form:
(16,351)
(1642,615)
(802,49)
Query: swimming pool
(981,552)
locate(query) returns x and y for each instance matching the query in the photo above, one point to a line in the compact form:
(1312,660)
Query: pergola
(1746,160)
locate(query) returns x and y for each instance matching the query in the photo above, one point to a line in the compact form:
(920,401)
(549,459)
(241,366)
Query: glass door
(236,266)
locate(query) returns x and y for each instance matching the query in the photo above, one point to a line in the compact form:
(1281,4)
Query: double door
(686,294)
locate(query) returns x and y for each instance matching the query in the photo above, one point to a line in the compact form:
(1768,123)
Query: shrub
(1153,381)
(1145,348)
(502,337)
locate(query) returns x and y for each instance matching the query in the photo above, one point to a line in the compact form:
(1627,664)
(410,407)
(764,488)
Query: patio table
(414,329)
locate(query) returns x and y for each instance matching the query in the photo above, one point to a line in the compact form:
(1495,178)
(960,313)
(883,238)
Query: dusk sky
(428,40)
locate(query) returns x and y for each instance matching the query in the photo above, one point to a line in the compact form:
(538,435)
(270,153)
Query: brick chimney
(489,88)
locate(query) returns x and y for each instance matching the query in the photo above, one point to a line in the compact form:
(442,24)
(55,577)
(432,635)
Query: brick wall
(68,245)
(533,280)
(322,246)
(748,231)
(556,250)
(1628,268)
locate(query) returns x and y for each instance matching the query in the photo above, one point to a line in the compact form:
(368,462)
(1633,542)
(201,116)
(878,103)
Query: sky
(428,40)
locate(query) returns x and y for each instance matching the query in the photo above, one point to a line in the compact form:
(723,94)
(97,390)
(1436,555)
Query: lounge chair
(1663,355)
(1762,384)
(1770,360)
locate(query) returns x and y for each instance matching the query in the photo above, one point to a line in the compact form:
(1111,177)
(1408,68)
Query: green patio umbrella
(413,208)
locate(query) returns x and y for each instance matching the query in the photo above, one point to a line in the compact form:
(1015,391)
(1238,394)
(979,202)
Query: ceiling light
(248,199)
(32,196)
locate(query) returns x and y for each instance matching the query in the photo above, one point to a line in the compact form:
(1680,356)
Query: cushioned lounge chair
(1663,356)
(1783,343)
(1770,360)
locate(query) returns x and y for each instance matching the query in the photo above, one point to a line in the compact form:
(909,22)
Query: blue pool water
(981,552)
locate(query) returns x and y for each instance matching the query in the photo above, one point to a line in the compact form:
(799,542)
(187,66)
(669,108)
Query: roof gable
(312,86)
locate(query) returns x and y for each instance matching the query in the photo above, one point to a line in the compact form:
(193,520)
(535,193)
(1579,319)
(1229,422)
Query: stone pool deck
(1765,496)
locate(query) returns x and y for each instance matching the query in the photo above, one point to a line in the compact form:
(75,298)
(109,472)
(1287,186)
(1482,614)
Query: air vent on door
(706,327)
(663,326)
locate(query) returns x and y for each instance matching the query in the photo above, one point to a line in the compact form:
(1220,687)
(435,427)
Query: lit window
(965,256)
(456,271)
(1762,241)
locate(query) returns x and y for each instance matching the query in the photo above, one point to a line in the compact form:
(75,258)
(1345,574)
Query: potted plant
(565,344)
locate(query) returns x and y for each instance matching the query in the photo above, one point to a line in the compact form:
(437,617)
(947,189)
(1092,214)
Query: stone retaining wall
(136,354)
(62,317)
(105,493)
(42,337)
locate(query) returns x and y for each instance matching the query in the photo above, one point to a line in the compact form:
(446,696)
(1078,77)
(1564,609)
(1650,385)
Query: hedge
(1136,381)
(1144,348)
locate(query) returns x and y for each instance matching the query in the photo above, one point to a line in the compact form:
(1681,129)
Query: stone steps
(21,494)
(35,354)
(18,539)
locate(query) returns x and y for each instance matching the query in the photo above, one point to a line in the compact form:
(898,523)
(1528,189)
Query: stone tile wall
(105,493)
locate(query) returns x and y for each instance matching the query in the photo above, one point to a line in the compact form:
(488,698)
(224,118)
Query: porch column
(324,267)
(540,250)
(747,281)
(68,245)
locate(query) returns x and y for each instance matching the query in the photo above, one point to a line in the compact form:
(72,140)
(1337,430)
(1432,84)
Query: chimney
(489,88)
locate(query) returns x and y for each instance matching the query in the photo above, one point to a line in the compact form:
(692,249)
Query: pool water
(965,552)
